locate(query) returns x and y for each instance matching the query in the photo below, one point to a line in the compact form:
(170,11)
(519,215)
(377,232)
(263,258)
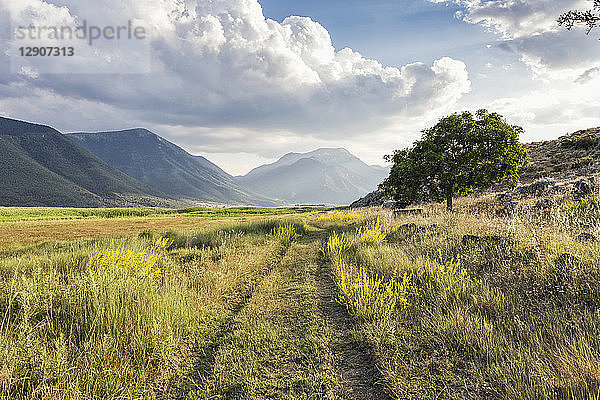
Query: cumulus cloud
(518,18)
(547,114)
(222,64)
(588,75)
(529,29)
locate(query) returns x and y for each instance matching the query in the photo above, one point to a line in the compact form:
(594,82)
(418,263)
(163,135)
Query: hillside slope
(568,154)
(159,163)
(41,167)
(323,176)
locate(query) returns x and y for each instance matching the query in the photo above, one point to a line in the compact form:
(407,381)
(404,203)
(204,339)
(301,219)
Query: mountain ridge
(154,160)
(42,167)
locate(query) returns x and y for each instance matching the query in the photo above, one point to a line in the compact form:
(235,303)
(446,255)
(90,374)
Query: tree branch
(590,18)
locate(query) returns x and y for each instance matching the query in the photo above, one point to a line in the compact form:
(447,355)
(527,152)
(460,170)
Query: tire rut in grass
(205,361)
(357,360)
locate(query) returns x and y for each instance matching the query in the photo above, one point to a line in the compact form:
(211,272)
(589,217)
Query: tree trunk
(449,198)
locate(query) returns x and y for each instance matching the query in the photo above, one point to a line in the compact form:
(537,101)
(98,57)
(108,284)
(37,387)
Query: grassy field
(20,227)
(12,214)
(302,304)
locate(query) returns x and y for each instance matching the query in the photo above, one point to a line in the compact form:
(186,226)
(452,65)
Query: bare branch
(590,18)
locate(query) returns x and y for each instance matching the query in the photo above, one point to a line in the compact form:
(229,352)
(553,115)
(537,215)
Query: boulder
(586,237)
(560,188)
(388,205)
(544,204)
(584,187)
(537,187)
(587,171)
(407,227)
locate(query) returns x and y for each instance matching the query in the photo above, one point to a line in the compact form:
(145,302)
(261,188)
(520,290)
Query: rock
(469,239)
(544,204)
(586,237)
(408,227)
(388,205)
(557,189)
(536,187)
(503,197)
(587,171)
(373,199)
(584,187)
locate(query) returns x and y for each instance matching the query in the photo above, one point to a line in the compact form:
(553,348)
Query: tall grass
(286,233)
(338,216)
(368,296)
(8,214)
(102,331)
(117,319)
(456,320)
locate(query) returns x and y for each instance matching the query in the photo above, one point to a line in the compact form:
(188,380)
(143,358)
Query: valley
(301,303)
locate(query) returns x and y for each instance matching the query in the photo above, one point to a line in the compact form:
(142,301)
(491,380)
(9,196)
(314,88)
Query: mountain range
(41,167)
(159,163)
(135,167)
(324,176)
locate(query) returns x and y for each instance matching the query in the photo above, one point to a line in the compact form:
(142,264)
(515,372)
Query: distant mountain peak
(326,175)
(138,131)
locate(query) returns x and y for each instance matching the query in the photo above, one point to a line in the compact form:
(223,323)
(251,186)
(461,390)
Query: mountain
(41,167)
(323,176)
(572,153)
(159,163)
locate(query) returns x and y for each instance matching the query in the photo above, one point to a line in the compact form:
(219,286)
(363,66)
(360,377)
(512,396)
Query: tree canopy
(590,18)
(461,153)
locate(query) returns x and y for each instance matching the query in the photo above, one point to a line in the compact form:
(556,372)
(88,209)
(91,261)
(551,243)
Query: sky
(243,82)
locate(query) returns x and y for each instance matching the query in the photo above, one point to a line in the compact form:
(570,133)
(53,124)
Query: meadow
(302,303)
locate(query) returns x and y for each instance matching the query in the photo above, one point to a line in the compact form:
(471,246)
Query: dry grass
(233,304)
(19,234)
(123,317)
(515,315)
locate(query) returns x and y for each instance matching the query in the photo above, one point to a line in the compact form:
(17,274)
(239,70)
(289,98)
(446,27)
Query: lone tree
(591,18)
(461,153)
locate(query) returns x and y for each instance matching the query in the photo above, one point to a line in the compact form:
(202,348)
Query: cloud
(517,18)
(223,65)
(529,29)
(588,75)
(551,112)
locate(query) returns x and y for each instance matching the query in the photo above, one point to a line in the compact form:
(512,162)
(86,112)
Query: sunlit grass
(491,314)
(340,217)
(368,296)
(286,233)
(372,234)
(119,258)
(118,318)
